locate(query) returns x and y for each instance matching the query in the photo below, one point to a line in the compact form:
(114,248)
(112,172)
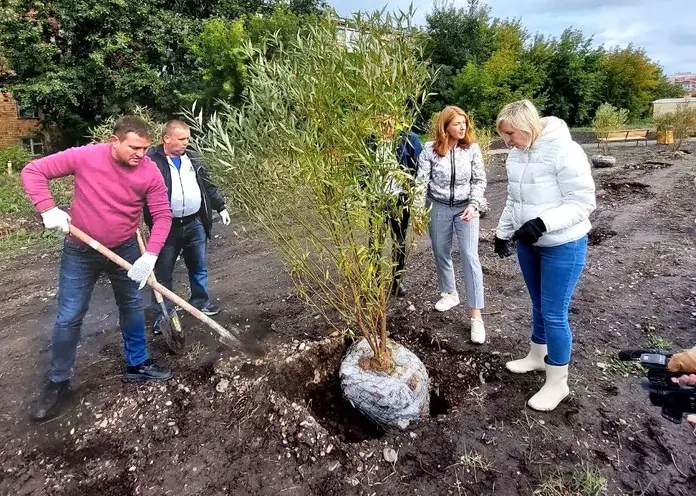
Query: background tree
(572,79)
(632,81)
(79,62)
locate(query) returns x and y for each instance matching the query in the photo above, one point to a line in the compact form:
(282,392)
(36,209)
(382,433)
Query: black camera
(675,400)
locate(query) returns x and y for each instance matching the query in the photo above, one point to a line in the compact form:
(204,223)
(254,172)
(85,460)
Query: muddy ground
(271,421)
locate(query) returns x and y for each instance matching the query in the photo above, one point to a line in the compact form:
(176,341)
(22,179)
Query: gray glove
(142,268)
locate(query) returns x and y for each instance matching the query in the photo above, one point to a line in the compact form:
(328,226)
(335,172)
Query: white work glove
(141,269)
(225,216)
(55,218)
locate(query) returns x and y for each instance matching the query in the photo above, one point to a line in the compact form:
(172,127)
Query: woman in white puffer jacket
(551,195)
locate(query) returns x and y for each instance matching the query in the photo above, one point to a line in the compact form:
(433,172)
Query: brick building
(19,127)
(686,80)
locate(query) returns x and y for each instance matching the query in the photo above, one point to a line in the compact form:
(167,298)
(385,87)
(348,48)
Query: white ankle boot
(533,361)
(553,391)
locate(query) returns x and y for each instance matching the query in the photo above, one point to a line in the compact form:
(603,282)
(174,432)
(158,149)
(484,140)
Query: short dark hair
(173,124)
(132,124)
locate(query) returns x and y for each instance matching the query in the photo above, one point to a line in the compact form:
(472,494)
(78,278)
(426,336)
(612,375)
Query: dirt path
(280,426)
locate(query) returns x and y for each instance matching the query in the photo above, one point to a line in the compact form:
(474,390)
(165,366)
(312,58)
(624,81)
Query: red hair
(442,137)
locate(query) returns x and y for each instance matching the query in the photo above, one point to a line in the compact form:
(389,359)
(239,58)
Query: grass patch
(13,199)
(654,330)
(584,481)
(18,235)
(657,341)
(16,243)
(625,369)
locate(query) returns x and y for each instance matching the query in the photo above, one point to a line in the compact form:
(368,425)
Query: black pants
(399,226)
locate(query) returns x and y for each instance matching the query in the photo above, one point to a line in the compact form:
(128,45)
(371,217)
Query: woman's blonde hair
(441,137)
(523,116)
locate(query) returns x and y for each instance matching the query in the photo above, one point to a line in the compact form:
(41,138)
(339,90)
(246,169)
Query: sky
(666,29)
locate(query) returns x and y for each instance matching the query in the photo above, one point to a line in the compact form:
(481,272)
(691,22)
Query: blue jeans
(80,268)
(444,224)
(190,239)
(551,274)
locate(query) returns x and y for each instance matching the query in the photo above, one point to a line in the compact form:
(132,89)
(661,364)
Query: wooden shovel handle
(227,337)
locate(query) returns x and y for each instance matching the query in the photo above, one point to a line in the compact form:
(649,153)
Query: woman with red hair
(452,171)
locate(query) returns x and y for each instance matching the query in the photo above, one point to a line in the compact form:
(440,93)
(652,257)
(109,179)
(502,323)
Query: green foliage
(486,63)
(103,131)
(572,79)
(485,138)
(684,124)
(298,158)
(665,122)
(220,54)
(79,61)
(17,155)
(630,80)
(608,119)
(221,59)
(460,36)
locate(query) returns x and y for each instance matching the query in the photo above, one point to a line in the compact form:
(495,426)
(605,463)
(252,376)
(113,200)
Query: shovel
(171,325)
(226,337)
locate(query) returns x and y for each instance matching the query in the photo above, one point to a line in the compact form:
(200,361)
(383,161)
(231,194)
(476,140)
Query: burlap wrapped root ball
(393,399)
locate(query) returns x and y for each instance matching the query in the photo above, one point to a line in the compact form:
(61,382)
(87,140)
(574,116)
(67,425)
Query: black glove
(503,247)
(530,232)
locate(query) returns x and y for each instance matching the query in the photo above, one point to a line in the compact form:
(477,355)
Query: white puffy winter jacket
(552,181)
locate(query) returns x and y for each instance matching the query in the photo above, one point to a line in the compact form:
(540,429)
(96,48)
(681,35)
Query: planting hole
(338,416)
(439,404)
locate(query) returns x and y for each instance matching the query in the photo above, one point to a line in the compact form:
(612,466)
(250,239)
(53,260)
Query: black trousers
(399,226)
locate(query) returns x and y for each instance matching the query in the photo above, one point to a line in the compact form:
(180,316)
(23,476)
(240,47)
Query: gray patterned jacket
(458,179)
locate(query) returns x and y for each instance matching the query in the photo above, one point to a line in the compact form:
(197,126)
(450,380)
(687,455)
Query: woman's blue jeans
(551,274)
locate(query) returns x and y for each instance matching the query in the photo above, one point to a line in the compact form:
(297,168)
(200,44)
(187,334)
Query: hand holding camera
(669,382)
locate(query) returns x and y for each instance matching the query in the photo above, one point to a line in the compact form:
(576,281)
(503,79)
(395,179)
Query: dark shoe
(398,289)
(48,404)
(210,310)
(157,326)
(147,371)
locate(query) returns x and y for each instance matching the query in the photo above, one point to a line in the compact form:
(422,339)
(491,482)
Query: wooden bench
(627,135)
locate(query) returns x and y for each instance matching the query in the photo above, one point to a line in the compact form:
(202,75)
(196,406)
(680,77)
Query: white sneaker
(533,361)
(554,390)
(478,331)
(447,302)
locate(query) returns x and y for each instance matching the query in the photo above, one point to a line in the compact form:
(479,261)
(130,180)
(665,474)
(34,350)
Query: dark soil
(269,419)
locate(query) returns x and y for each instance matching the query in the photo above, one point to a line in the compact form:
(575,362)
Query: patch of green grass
(15,208)
(620,367)
(14,200)
(584,481)
(21,240)
(657,341)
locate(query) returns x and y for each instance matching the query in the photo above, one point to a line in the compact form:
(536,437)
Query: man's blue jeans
(551,274)
(190,239)
(80,268)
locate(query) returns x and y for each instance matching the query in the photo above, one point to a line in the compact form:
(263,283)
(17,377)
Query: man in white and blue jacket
(192,197)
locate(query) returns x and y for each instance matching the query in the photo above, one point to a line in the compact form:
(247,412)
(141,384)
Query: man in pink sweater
(112,183)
